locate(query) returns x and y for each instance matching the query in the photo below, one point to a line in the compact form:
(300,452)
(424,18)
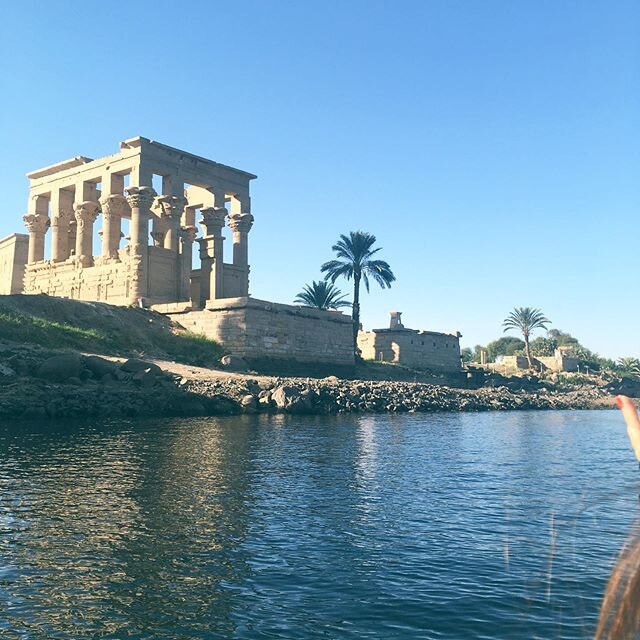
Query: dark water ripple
(449,526)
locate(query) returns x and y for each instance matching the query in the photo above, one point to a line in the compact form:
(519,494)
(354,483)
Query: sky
(492,147)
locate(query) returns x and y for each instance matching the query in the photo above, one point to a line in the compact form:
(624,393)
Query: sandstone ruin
(143,265)
(144,254)
(411,347)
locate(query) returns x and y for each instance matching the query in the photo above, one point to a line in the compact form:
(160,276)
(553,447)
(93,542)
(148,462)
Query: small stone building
(411,347)
(563,360)
(149,199)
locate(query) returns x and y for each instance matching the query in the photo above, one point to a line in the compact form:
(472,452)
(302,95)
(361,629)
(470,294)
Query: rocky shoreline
(70,385)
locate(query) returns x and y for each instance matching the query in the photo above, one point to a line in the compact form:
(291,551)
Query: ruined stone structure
(260,330)
(152,260)
(144,252)
(411,347)
(13,258)
(561,360)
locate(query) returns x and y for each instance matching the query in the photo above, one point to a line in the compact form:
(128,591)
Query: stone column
(170,209)
(37,225)
(73,234)
(86,214)
(114,207)
(240,224)
(61,217)
(187,238)
(211,254)
(140,200)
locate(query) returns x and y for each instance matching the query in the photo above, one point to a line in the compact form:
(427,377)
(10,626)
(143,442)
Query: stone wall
(558,362)
(164,275)
(13,257)
(107,281)
(235,280)
(256,329)
(412,348)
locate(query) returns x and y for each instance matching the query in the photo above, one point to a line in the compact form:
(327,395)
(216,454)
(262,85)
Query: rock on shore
(39,385)
(332,395)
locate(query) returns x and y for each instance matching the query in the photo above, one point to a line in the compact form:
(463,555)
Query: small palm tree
(526,320)
(629,365)
(322,295)
(355,260)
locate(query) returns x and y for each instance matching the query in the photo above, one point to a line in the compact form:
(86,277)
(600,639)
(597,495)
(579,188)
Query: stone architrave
(211,253)
(170,209)
(114,208)
(86,214)
(187,238)
(37,225)
(140,200)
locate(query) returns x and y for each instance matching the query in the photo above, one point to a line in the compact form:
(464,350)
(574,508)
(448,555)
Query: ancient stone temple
(121,229)
(145,243)
(411,347)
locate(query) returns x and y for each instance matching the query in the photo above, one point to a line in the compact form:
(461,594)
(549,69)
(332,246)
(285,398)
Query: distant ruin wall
(558,362)
(418,349)
(13,258)
(256,329)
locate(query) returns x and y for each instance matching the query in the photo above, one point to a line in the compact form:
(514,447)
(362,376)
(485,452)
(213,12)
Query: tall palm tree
(526,320)
(354,259)
(322,295)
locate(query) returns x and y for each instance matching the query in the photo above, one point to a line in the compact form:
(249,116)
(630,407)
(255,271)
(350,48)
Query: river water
(494,525)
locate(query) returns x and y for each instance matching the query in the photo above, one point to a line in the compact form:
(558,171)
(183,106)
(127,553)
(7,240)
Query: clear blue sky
(492,147)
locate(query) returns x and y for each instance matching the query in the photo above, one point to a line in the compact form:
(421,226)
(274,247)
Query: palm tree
(355,260)
(322,295)
(629,365)
(526,320)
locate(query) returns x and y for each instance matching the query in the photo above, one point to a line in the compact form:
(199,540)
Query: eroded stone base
(266,331)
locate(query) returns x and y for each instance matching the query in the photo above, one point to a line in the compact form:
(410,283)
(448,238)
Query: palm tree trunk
(527,350)
(355,315)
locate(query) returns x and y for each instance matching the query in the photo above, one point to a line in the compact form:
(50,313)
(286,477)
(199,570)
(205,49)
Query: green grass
(187,347)
(192,348)
(54,335)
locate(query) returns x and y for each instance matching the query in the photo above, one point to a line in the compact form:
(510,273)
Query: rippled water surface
(501,525)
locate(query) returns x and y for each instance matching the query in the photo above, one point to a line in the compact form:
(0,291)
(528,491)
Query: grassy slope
(58,323)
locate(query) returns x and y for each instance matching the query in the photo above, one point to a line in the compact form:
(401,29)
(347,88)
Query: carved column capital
(140,197)
(213,220)
(157,237)
(115,205)
(170,207)
(86,211)
(36,222)
(241,222)
(188,234)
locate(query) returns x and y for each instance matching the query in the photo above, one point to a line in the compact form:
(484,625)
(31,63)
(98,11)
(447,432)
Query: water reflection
(447,526)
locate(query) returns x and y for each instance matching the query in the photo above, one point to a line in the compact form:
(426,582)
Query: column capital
(213,220)
(114,205)
(36,222)
(140,197)
(170,207)
(86,211)
(188,234)
(157,237)
(241,222)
